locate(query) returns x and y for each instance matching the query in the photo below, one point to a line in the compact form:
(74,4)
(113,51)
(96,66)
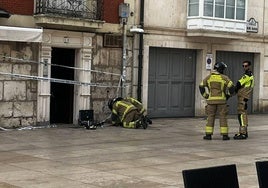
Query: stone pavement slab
(71,156)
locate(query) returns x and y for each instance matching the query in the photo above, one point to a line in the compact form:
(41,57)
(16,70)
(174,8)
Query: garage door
(234,71)
(171,82)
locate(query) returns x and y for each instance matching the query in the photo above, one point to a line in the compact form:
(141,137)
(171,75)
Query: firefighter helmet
(220,66)
(112,101)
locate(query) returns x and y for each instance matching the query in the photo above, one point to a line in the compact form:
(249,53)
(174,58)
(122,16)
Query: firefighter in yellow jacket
(219,89)
(128,112)
(244,89)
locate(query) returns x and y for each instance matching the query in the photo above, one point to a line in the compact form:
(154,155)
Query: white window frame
(188,7)
(202,22)
(201,10)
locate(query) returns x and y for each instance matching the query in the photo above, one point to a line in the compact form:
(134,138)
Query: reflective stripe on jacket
(247,84)
(121,108)
(137,104)
(218,86)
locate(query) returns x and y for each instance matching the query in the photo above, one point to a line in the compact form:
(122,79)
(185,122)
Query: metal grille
(114,41)
(87,9)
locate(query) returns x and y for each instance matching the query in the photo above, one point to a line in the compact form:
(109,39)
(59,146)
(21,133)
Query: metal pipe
(140,56)
(124,64)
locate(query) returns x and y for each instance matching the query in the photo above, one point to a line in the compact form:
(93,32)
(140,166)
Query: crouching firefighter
(128,113)
(220,88)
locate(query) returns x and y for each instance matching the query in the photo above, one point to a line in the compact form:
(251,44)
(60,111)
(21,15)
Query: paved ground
(67,156)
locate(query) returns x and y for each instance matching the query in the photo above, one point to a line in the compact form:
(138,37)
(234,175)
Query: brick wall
(26,7)
(110,10)
(22,7)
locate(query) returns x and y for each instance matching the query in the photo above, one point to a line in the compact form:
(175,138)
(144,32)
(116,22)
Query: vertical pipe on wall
(140,56)
(124,94)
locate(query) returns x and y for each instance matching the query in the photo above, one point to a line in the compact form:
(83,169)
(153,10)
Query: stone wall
(108,60)
(18,96)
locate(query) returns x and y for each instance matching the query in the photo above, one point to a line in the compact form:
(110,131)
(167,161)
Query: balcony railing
(87,9)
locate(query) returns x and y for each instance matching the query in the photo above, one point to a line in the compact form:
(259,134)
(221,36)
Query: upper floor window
(193,8)
(226,9)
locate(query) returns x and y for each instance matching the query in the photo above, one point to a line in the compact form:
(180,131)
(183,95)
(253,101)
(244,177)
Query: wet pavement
(71,156)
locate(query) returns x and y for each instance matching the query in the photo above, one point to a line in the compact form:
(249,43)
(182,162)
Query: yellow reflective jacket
(246,83)
(121,108)
(137,104)
(218,85)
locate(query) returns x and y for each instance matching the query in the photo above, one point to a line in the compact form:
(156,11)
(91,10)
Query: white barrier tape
(64,66)
(18,59)
(77,68)
(119,85)
(55,80)
(28,128)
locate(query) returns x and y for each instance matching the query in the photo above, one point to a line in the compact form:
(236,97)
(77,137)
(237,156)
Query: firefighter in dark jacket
(244,89)
(219,89)
(128,112)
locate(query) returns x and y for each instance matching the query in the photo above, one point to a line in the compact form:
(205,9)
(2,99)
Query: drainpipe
(140,56)
(123,91)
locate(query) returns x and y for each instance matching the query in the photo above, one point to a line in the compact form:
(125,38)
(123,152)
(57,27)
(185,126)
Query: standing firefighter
(244,89)
(128,112)
(220,88)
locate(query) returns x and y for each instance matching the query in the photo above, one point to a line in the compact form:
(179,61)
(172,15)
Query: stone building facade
(188,34)
(18,97)
(92,46)
(175,46)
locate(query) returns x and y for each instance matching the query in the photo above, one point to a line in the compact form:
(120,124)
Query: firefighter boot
(225,137)
(207,137)
(240,136)
(148,120)
(138,124)
(144,122)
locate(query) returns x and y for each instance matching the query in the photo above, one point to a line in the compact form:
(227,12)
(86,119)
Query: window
(193,7)
(226,9)
(208,8)
(240,10)
(219,8)
(230,9)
